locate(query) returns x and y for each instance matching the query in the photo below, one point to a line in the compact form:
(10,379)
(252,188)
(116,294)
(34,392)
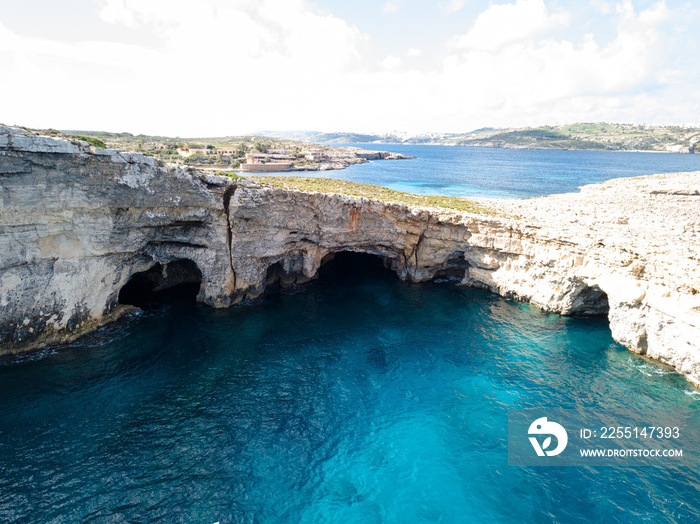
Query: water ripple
(327,405)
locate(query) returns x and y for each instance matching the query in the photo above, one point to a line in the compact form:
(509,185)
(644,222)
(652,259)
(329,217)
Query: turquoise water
(505,173)
(356,398)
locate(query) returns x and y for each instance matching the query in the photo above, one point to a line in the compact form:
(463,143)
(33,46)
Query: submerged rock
(77,223)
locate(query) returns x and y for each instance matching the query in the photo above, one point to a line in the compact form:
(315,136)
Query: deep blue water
(505,173)
(352,399)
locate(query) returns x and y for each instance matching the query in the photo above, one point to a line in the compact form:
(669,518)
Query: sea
(463,171)
(357,398)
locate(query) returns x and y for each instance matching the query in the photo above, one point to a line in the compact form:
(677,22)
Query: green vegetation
(169,149)
(593,136)
(543,138)
(596,135)
(229,174)
(592,129)
(531,134)
(95,142)
(587,136)
(330,185)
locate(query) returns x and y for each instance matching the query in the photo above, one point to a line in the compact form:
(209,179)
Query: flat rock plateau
(78,223)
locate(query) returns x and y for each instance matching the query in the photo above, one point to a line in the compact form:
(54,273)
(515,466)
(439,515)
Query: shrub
(95,142)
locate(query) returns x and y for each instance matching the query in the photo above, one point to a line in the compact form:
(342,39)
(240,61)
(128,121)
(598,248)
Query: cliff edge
(77,224)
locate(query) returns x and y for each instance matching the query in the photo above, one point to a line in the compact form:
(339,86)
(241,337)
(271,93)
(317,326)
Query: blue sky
(221,67)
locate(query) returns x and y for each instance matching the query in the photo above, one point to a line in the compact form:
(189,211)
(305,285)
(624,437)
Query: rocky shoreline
(342,157)
(333,158)
(77,223)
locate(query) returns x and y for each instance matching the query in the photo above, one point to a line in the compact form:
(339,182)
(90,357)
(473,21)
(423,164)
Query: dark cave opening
(454,268)
(590,301)
(351,267)
(179,280)
(277,276)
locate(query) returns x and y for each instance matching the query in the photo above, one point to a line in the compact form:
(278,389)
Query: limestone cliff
(76,223)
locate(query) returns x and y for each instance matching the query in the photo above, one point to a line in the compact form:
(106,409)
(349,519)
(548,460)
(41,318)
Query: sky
(227,67)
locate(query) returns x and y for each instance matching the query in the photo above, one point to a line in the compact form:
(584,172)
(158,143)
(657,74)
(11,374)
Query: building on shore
(266,158)
(264,162)
(313,155)
(195,150)
(153,146)
(228,150)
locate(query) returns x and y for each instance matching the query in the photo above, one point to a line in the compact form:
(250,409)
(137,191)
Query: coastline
(88,220)
(521,148)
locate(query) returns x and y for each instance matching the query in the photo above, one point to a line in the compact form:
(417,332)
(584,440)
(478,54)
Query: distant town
(259,158)
(257,154)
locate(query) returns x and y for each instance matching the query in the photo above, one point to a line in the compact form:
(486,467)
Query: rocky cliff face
(77,223)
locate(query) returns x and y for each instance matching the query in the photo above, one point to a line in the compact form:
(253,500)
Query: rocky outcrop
(342,157)
(78,223)
(635,239)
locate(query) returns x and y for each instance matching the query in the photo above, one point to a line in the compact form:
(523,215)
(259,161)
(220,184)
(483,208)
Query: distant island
(584,136)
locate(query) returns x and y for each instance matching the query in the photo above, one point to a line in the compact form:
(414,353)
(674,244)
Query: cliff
(78,223)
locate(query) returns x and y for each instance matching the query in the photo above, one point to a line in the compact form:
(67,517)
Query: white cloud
(505,70)
(391,6)
(218,67)
(601,6)
(655,15)
(216,61)
(451,6)
(285,31)
(391,62)
(116,12)
(503,24)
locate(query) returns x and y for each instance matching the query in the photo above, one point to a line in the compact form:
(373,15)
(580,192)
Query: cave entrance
(277,276)
(454,268)
(174,281)
(352,267)
(590,301)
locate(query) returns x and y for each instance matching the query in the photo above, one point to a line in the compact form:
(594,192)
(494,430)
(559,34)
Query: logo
(542,427)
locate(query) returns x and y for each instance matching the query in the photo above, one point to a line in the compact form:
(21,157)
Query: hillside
(600,136)
(676,139)
(230,152)
(203,150)
(585,136)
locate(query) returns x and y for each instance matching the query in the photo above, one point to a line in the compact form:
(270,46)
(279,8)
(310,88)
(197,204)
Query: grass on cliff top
(330,185)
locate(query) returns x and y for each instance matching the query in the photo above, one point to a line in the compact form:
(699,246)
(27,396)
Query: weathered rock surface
(76,223)
(638,240)
(342,157)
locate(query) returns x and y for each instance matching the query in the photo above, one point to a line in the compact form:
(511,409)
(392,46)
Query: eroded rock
(77,223)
